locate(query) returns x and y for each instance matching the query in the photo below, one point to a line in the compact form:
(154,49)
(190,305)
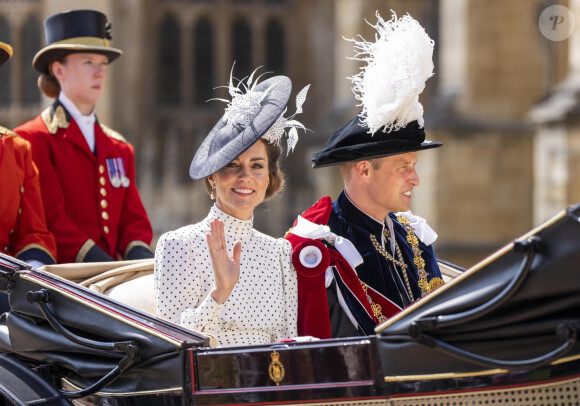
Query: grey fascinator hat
(255,111)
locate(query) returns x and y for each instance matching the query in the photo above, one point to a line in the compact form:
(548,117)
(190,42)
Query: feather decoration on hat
(276,132)
(246,102)
(399,63)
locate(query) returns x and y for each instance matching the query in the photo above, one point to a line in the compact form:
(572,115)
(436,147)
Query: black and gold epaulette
(56,120)
(112,133)
(6,131)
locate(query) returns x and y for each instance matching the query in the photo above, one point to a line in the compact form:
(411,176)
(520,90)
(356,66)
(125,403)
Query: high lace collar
(233,227)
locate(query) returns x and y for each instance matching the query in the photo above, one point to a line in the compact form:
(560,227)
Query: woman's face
(82,77)
(241,185)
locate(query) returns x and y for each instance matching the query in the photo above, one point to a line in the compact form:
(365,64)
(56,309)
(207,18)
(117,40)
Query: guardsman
(23,232)
(87,171)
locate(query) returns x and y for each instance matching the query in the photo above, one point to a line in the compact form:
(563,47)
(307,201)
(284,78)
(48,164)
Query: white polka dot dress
(261,309)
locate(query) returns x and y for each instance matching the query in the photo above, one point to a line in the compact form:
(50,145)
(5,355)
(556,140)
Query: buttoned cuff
(205,318)
(34,252)
(139,252)
(96,254)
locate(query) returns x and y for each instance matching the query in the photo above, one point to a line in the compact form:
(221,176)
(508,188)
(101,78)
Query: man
(87,172)
(23,232)
(377,152)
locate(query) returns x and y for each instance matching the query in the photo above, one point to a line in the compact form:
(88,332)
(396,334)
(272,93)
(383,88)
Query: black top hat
(353,142)
(5,53)
(230,137)
(75,31)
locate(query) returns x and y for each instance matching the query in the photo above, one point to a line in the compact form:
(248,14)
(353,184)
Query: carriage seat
(137,293)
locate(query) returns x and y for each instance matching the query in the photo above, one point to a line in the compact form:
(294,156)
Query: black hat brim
(353,142)
(5,53)
(54,52)
(226,141)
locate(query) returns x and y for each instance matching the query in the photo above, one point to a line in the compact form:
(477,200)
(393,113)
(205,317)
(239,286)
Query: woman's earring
(212,194)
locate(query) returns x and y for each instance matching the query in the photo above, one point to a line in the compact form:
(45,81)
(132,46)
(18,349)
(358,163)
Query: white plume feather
(399,63)
(276,132)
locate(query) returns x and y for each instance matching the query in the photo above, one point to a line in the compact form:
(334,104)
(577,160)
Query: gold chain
(399,262)
(425,286)
(377,309)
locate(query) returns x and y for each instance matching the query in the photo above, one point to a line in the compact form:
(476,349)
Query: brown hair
(346,167)
(275,175)
(47,82)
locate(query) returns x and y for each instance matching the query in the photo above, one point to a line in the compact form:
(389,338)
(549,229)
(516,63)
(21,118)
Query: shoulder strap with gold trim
(56,120)
(112,133)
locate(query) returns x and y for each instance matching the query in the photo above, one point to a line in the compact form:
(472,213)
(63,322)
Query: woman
(87,171)
(250,297)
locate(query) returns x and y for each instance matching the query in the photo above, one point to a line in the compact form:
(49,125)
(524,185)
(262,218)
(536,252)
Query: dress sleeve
(290,286)
(183,283)
(204,318)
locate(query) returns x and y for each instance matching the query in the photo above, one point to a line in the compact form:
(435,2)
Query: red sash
(313,317)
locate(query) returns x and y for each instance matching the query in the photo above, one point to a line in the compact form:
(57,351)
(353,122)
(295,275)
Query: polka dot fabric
(261,309)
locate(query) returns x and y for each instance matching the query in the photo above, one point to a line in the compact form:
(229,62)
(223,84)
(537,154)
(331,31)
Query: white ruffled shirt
(262,307)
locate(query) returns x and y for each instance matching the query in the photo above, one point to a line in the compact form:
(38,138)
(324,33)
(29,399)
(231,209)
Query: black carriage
(503,332)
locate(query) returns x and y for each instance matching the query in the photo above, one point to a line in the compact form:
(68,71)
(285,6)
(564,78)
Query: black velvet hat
(5,53)
(398,63)
(352,142)
(247,118)
(75,31)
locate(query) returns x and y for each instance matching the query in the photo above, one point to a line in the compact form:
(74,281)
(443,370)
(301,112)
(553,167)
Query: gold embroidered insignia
(276,369)
(56,121)
(435,283)
(112,133)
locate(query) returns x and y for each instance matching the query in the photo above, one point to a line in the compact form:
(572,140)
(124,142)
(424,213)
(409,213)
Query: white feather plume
(246,101)
(276,132)
(398,64)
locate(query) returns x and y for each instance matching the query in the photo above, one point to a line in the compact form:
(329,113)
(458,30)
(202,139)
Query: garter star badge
(276,368)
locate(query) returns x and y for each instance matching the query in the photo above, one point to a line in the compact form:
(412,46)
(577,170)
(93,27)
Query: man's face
(391,182)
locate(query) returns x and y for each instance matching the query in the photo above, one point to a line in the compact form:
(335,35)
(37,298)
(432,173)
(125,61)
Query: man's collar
(358,217)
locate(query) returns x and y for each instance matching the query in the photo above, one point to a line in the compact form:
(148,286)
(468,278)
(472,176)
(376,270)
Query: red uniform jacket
(23,232)
(82,206)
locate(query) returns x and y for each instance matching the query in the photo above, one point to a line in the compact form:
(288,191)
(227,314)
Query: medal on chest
(117,174)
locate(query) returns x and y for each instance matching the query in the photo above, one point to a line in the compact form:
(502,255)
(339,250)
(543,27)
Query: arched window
(203,76)
(5,70)
(31,43)
(242,49)
(275,48)
(169,62)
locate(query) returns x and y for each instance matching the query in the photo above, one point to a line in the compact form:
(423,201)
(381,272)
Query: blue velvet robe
(348,221)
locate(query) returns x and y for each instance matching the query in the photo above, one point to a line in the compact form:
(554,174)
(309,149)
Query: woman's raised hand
(226,270)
